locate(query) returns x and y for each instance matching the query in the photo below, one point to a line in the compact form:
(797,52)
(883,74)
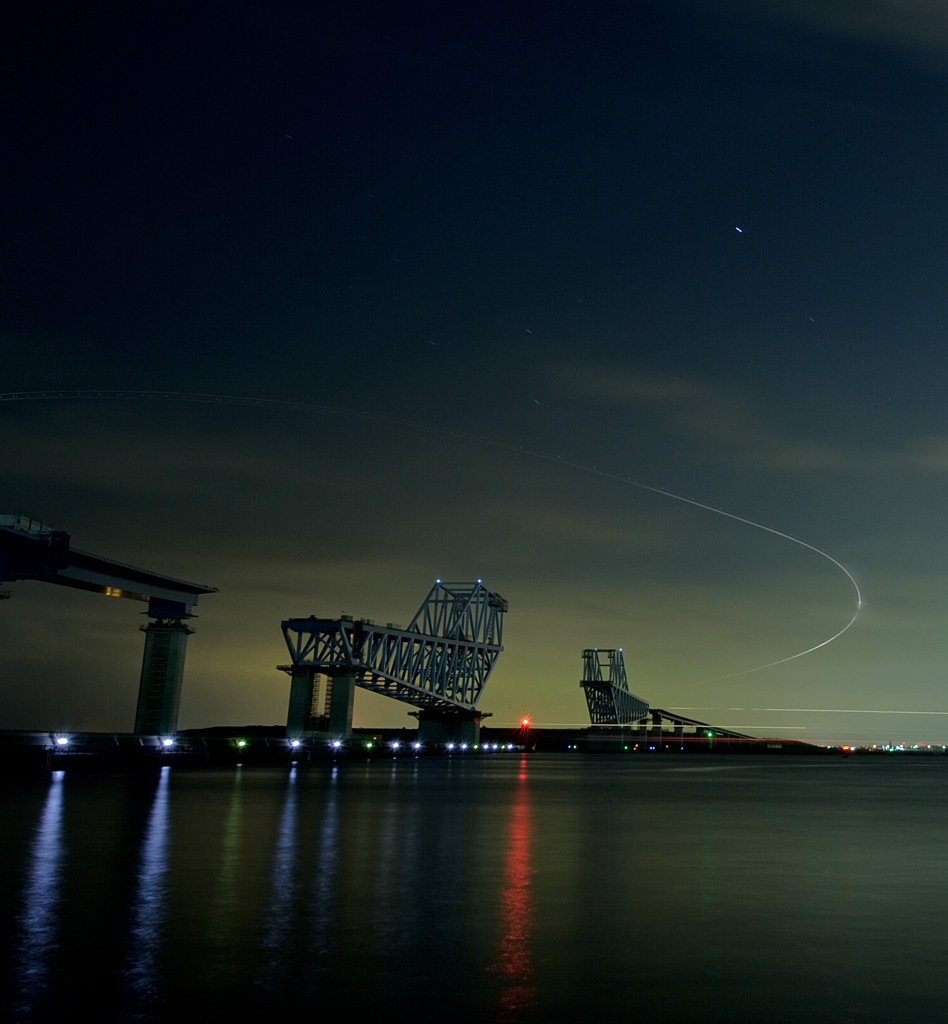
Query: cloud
(705,412)
(722,422)
(929,454)
(917,27)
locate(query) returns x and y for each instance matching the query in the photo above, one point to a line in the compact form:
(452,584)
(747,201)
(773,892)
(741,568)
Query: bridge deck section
(31,550)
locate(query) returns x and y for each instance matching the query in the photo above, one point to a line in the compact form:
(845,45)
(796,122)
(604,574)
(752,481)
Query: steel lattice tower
(607,689)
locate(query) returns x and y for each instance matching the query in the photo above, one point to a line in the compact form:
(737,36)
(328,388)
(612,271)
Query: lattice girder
(443,670)
(607,689)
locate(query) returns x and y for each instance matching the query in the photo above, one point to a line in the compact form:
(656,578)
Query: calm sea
(503,888)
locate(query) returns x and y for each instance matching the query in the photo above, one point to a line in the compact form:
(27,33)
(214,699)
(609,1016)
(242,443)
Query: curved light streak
(279,403)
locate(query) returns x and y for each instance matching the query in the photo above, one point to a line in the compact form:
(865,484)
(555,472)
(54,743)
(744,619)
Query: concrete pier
(159,690)
(439,728)
(340,706)
(302,698)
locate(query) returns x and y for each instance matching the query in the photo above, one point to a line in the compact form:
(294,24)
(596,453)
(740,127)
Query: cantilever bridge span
(440,664)
(33,550)
(608,697)
(611,704)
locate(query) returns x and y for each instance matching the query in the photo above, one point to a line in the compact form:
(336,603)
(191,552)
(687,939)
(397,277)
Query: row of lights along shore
(61,742)
(396,745)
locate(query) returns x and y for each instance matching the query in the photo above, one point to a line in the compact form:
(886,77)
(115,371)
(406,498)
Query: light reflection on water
(513,961)
(39,920)
(148,905)
(518,889)
(278,910)
(325,871)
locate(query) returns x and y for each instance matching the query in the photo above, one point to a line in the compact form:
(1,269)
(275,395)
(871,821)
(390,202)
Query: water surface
(511,888)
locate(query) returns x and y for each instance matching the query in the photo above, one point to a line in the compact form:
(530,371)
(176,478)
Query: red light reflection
(513,956)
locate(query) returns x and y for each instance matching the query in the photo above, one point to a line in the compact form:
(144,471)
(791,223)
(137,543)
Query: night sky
(502,262)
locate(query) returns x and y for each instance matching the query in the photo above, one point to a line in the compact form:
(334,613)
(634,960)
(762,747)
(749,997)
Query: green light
(241,743)
(709,733)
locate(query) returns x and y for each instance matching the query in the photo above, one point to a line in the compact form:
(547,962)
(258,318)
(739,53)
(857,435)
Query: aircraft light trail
(269,403)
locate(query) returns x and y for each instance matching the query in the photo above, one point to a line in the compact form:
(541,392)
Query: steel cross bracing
(442,661)
(607,689)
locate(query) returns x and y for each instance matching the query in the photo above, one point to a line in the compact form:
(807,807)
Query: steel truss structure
(607,689)
(440,662)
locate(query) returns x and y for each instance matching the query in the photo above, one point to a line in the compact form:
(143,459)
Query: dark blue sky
(701,246)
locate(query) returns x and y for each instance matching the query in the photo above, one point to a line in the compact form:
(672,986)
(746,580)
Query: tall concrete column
(159,691)
(302,683)
(340,707)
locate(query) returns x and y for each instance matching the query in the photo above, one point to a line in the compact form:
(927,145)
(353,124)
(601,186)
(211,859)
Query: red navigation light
(525,722)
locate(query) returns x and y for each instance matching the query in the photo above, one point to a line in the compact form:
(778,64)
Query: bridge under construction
(440,664)
(614,708)
(32,550)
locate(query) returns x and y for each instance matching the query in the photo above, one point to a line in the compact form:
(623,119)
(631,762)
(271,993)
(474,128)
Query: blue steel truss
(607,689)
(441,662)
